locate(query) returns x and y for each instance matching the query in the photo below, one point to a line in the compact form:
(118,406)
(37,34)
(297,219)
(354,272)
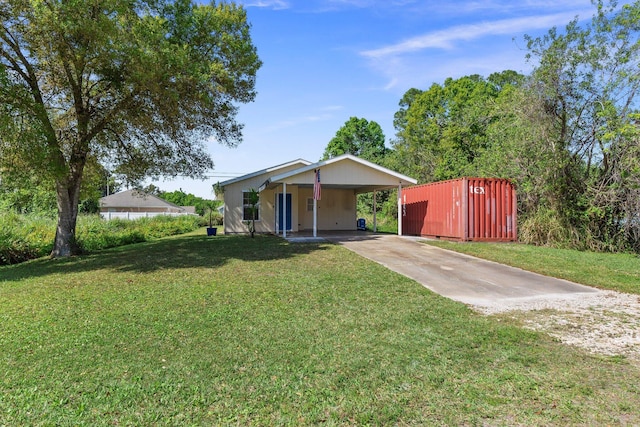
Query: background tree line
(568,134)
(85,96)
(180,198)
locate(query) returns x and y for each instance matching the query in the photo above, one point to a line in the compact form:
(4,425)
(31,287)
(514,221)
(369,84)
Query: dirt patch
(605,323)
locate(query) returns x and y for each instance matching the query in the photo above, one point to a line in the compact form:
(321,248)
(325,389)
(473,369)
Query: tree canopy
(568,134)
(180,198)
(359,137)
(442,130)
(587,81)
(139,85)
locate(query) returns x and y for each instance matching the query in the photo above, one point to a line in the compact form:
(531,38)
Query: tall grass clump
(94,233)
(546,228)
(25,237)
(384,223)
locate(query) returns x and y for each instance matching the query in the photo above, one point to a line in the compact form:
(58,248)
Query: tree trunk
(68,195)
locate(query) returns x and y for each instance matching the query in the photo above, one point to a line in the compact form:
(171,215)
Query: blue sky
(325,61)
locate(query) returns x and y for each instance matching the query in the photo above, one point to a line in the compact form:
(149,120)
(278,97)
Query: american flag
(317,190)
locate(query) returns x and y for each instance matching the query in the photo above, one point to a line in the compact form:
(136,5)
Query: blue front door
(280,212)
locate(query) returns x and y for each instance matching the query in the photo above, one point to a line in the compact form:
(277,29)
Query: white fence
(138,215)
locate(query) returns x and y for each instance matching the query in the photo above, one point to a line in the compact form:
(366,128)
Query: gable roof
(338,159)
(265,171)
(401,179)
(135,199)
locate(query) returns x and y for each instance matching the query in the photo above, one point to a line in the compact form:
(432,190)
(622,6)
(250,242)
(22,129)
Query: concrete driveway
(463,278)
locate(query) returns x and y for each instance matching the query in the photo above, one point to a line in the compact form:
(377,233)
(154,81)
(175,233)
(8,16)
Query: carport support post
(284,210)
(400,209)
(375,211)
(315,217)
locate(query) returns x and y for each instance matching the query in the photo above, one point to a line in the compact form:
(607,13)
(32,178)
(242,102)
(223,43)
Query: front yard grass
(230,330)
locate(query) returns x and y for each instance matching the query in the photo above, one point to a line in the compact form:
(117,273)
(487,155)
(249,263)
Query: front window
(246,208)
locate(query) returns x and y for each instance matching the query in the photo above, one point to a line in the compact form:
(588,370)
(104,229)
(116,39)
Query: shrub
(216,219)
(94,233)
(546,227)
(25,237)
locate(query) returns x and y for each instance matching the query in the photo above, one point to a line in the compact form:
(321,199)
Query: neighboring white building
(132,204)
(341,178)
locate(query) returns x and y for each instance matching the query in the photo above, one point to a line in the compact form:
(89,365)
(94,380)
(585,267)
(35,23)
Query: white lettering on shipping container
(476,190)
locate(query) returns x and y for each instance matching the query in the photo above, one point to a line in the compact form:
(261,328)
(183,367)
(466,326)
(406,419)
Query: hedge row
(25,237)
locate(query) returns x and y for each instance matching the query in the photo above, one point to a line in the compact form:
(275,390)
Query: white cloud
(421,72)
(274,4)
(510,6)
(392,83)
(445,39)
(455,8)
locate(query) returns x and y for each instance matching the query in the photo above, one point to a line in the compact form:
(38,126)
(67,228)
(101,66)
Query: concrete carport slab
(480,283)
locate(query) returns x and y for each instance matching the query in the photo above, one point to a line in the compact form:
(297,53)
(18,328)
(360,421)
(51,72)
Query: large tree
(441,131)
(365,139)
(140,85)
(588,81)
(359,137)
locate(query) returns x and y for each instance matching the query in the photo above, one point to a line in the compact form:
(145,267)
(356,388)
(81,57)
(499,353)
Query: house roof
(272,169)
(303,175)
(135,199)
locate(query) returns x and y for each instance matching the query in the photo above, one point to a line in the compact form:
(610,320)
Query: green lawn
(230,330)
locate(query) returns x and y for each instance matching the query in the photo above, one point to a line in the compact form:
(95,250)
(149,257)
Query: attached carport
(340,180)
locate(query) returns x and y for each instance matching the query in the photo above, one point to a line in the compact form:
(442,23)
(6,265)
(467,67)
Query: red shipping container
(482,209)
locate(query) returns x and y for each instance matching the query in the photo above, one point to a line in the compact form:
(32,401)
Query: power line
(217,175)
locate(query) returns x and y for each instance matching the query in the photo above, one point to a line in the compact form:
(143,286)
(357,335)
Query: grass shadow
(177,252)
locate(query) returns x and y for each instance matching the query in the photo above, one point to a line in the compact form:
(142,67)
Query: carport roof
(382,178)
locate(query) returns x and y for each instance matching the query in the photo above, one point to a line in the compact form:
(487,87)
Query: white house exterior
(341,178)
(134,204)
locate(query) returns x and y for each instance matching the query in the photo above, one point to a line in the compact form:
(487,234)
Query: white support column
(276,206)
(375,213)
(284,210)
(400,209)
(315,217)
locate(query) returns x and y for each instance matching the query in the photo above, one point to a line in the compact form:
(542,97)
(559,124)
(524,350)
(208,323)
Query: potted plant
(211,230)
(254,199)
